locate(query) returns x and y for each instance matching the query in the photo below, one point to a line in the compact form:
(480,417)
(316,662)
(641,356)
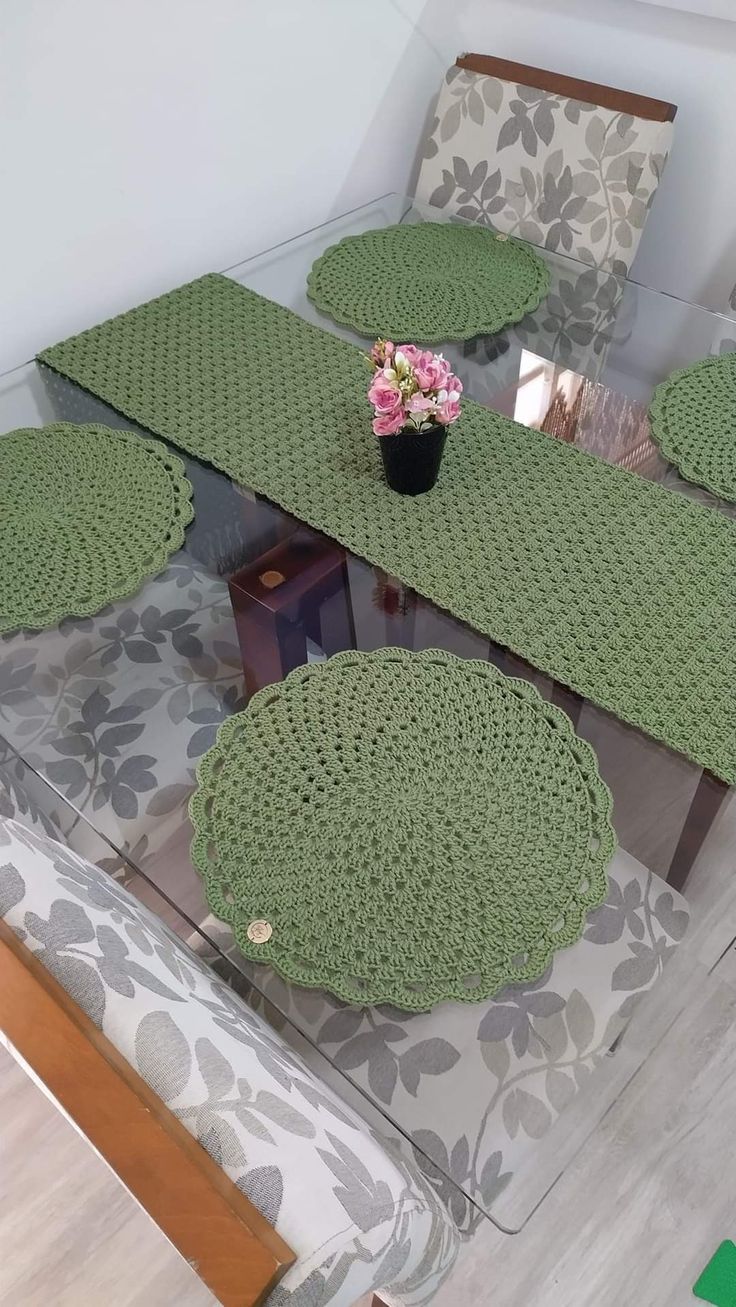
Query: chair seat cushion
(116,709)
(511,1066)
(358,1215)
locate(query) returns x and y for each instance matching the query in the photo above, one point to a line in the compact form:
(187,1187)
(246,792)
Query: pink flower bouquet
(412,389)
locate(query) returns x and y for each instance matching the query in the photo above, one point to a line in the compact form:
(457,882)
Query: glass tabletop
(110,714)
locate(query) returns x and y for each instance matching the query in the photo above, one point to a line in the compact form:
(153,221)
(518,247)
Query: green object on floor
(717,1283)
(617,587)
(403,828)
(86,513)
(693,417)
(428,281)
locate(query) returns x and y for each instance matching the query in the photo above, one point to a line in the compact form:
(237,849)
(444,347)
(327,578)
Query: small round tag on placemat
(259,932)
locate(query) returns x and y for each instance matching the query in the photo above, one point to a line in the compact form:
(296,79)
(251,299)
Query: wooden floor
(70,1235)
(630,1224)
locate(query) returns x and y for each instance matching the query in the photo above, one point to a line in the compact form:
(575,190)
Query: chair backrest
(563,163)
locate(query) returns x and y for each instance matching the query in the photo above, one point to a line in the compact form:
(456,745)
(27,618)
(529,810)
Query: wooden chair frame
(231,1246)
(641,106)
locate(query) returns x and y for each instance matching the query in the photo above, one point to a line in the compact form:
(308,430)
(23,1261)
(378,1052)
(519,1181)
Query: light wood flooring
(70,1234)
(630,1224)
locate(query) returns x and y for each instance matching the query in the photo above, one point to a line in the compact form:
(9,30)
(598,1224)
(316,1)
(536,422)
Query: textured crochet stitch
(693,420)
(412,827)
(86,513)
(428,281)
(616,586)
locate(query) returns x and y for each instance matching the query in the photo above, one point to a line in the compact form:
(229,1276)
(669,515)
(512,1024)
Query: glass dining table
(103,719)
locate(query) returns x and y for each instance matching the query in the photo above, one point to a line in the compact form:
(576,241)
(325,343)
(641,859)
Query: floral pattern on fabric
(510,1066)
(358,1216)
(569,176)
(116,709)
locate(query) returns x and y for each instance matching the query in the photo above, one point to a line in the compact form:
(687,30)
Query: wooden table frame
(573,88)
(229,1244)
(278,600)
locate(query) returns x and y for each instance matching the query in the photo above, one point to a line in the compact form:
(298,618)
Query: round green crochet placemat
(402,828)
(85,514)
(428,282)
(693,420)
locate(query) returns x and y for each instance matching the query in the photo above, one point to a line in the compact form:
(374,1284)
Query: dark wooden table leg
(567,700)
(703,811)
(284,597)
(336,620)
(270,647)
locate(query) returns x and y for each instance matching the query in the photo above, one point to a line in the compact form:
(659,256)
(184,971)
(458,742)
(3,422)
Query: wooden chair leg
(704,808)
(568,700)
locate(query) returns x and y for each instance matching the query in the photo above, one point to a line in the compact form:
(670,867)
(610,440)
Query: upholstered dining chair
(563,163)
(267,1181)
(361,1209)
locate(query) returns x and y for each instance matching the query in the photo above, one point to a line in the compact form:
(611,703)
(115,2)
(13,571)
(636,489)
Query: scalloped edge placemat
(422,308)
(505,940)
(93,595)
(675,438)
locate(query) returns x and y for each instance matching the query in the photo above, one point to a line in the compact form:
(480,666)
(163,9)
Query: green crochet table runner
(429,281)
(693,420)
(614,585)
(85,514)
(402,828)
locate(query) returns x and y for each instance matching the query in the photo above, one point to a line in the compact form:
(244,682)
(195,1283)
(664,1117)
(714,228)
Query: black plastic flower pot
(411,459)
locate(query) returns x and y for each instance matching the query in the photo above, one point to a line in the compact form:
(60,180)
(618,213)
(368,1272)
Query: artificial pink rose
(453,383)
(421,404)
(381,351)
(383,394)
(412,353)
(432,371)
(449,410)
(387,424)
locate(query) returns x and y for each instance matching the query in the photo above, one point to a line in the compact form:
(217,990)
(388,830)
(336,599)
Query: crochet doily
(85,514)
(402,828)
(428,281)
(616,586)
(693,420)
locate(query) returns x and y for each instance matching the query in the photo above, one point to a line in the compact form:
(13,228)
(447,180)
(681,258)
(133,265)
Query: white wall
(689,244)
(143,142)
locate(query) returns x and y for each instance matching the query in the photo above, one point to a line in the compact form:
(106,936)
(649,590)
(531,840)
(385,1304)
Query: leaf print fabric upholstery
(569,176)
(23,797)
(358,1216)
(115,710)
(509,1066)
